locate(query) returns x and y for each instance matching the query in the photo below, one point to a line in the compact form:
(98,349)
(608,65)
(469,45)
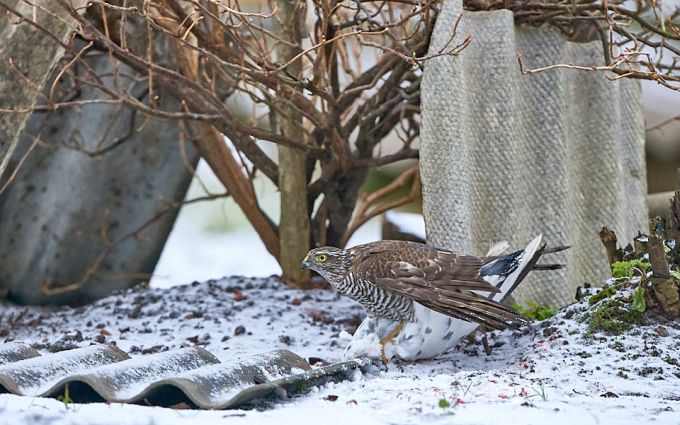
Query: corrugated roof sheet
(13,352)
(192,376)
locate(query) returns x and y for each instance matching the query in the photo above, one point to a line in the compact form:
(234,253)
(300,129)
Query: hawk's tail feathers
(508,271)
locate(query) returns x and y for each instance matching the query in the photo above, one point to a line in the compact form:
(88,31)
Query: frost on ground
(549,373)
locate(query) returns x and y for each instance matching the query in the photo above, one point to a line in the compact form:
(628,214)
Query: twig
(374,204)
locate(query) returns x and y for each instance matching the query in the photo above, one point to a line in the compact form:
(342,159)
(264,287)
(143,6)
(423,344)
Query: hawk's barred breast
(378,302)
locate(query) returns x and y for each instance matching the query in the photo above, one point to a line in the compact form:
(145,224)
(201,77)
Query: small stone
(285,339)
(154,349)
(240,330)
(661,331)
(316,361)
(136,312)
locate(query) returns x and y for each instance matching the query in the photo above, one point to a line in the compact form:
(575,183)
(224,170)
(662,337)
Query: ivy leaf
(675,274)
(621,269)
(639,299)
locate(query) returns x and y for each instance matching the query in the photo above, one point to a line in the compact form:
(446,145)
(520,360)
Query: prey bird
(421,300)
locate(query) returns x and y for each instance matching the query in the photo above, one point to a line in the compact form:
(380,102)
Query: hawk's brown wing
(435,278)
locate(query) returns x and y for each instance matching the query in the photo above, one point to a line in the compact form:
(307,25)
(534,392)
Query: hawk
(421,299)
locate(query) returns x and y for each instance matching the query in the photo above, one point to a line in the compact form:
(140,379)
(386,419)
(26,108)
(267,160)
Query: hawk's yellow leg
(390,337)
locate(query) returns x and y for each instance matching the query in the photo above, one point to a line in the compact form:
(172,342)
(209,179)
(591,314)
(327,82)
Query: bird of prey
(421,300)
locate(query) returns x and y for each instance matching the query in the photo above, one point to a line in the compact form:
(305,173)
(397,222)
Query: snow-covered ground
(550,373)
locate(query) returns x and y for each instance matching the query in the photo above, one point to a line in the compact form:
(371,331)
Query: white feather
(497,249)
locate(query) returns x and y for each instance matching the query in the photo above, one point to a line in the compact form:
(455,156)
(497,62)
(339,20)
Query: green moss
(535,311)
(613,316)
(618,346)
(606,292)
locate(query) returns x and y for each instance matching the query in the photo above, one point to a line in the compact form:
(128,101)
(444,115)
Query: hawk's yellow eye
(322,258)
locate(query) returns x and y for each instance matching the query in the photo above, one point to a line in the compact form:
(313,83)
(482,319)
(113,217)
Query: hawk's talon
(385,360)
(390,337)
(399,363)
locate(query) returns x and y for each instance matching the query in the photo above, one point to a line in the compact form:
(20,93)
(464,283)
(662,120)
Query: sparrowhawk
(422,299)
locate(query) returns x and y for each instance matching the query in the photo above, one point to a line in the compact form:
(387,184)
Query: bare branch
(373,206)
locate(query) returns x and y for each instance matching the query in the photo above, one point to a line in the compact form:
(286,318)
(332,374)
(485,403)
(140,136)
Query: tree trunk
(294,225)
(26,53)
(664,286)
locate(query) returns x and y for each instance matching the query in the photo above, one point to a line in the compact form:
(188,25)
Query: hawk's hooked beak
(305,263)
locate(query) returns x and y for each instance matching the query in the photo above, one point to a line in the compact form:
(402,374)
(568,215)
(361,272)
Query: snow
(183,262)
(411,223)
(550,373)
